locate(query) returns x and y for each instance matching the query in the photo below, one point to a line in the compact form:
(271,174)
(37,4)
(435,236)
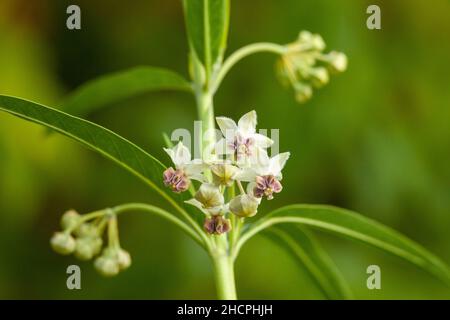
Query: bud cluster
(239,157)
(84,240)
(304,66)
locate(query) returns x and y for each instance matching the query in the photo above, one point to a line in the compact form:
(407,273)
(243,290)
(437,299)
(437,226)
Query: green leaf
(107,143)
(357,227)
(115,87)
(207,24)
(307,251)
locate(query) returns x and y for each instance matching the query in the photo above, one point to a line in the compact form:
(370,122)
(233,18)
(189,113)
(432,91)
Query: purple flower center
(176,180)
(216,225)
(242,146)
(267,186)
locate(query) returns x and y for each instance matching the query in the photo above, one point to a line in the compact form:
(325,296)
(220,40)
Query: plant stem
(244,52)
(224,276)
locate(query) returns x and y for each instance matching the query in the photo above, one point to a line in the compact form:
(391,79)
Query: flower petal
(246,175)
(182,154)
(247,123)
(277,163)
(227,126)
(262,141)
(223,147)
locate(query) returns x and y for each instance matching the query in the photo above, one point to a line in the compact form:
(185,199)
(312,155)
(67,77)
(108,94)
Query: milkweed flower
(241,140)
(179,179)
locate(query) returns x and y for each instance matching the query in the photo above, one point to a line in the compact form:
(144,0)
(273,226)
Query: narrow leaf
(357,227)
(107,143)
(309,254)
(116,87)
(207,24)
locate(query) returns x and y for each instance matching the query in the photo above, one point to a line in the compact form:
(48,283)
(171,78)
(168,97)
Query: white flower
(241,139)
(181,158)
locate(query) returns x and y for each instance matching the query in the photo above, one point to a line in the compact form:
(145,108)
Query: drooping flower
(265,179)
(217,225)
(244,205)
(241,140)
(179,179)
(224,173)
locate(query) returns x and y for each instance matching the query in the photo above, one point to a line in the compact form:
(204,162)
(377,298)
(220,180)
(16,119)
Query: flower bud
(244,206)
(69,219)
(87,248)
(223,174)
(319,77)
(337,61)
(302,92)
(107,266)
(266,186)
(209,196)
(63,243)
(123,259)
(86,230)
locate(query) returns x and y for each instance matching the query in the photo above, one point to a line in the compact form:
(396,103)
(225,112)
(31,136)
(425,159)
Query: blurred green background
(376,140)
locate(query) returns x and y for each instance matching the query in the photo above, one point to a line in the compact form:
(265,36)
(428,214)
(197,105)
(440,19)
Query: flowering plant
(216,198)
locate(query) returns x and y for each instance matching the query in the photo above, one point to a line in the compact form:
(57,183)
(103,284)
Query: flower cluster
(85,240)
(239,157)
(304,65)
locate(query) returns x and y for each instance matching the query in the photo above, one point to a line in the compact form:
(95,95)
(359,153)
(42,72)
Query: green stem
(224,276)
(244,52)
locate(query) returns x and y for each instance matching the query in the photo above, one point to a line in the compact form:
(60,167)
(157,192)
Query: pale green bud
(86,230)
(319,76)
(302,92)
(107,266)
(337,61)
(87,248)
(244,206)
(69,219)
(63,243)
(123,259)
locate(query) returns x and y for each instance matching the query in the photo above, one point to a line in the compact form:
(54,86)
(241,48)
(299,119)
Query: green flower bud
(337,61)
(63,243)
(107,266)
(86,230)
(123,259)
(302,92)
(87,248)
(69,219)
(319,77)
(244,206)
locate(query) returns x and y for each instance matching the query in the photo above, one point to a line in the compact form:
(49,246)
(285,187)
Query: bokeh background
(376,140)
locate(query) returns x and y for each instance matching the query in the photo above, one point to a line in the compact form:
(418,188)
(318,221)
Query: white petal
(277,163)
(194,170)
(227,126)
(260,160)
(182,155)
(246,175)
(197,204)
(171,154)
(247,123)
(223,147)
(262,141)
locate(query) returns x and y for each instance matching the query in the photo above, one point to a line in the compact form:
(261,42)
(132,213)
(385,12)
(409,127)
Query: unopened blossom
(224,174)
(244,206)
(241,140)
(217,225)
(179,179)
(208,199)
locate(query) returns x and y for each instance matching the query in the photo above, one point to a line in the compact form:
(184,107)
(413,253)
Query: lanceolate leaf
(207,26)
(107,143)
(357,227)
(115,87)
(305,249)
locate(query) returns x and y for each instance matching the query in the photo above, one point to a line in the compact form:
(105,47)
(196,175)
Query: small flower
(241,140)
(123,259)
(304,65)
(208,199)
(178,179)
(107,266)
(265,180)
(63,243)
(70,219)
(244,205)
(86,248)
(217,225)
